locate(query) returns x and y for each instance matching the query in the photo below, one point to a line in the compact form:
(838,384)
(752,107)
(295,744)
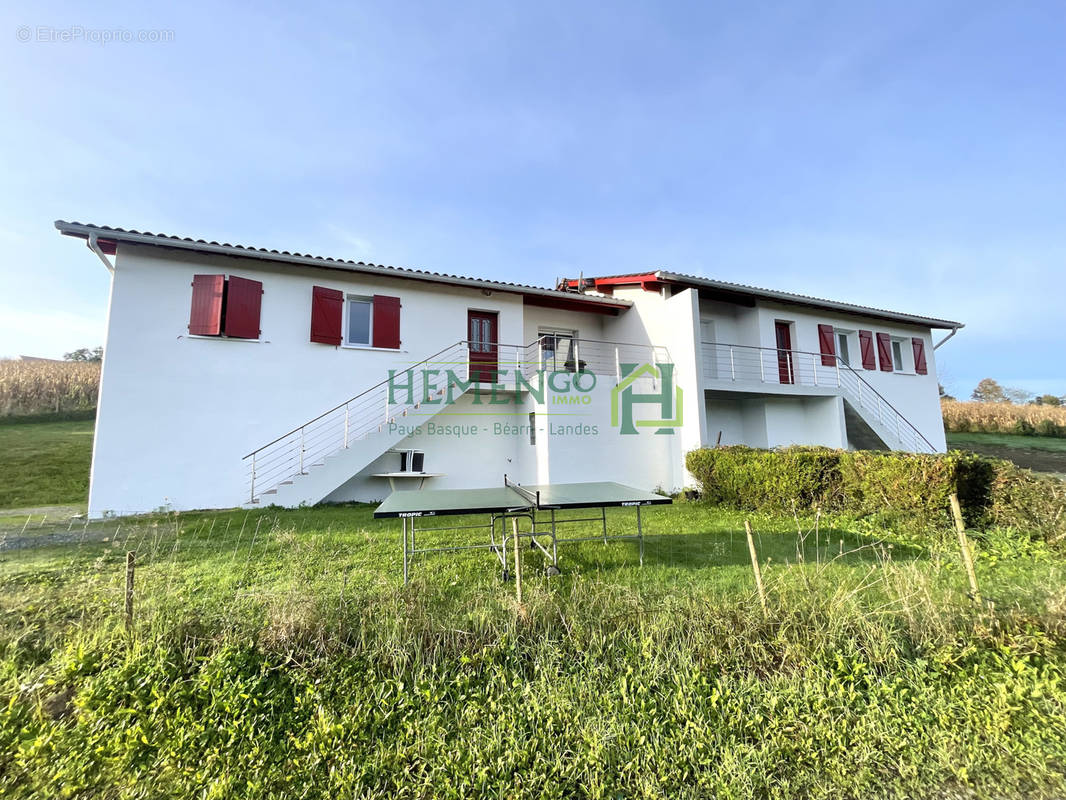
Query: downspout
(953,332)
(95,247)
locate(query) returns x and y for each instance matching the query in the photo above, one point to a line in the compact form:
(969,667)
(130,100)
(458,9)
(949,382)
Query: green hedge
(872,482)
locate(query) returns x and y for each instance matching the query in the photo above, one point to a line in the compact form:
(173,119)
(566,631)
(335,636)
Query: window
(481,338)
(897,355)
(354,320)
(225,307)
(360,315)
(842,347)
(558,350)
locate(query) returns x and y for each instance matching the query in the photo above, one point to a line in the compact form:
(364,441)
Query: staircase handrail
(349,400)
(840,362)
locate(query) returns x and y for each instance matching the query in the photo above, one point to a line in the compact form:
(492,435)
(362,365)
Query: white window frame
(567,332)
(845,336)
(348,299)
(906,358)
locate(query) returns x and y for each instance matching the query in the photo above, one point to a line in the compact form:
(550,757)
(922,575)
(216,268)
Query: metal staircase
(871,419)
(309,462)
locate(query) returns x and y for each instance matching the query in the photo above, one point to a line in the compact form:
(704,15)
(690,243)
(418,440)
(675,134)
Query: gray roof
(84,230)
(789,297)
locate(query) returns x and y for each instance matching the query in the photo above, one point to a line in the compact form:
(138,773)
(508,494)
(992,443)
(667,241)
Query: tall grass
(1032,420)
(38,387)
(277,654)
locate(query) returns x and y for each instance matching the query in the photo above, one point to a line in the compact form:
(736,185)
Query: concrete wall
(178,412)
(671,322)
(776,421)
(915,396)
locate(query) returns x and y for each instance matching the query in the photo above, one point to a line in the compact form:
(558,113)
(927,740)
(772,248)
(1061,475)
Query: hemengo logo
(667,399)
(443,386)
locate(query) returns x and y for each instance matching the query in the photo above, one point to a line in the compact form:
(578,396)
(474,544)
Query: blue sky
(903,155)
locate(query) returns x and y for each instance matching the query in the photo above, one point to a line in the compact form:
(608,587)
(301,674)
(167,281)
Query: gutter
(94,245)
(953,332)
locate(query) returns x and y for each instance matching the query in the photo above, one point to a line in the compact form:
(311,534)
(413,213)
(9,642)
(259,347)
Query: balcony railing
(745,364)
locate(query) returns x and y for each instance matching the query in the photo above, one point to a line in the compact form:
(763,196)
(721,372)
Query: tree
(85,354)
(989,391)
(1048,400)
(1018,396)
(944,392)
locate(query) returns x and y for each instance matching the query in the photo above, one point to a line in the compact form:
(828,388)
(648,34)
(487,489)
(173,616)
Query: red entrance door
(482,330)
(783,332)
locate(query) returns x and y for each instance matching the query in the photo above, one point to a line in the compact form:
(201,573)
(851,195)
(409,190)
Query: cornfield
(39,387)
(1004,418)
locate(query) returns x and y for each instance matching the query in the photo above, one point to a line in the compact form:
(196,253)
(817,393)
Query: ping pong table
(536,504)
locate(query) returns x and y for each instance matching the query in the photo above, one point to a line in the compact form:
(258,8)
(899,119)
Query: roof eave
(812,302)
(237,251)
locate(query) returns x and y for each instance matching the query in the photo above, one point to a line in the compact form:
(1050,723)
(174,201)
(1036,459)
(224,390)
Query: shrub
(1028,502)
(747,478)
(868,482)
(873,481)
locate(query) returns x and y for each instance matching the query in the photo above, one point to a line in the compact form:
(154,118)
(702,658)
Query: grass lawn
(1039,453)
(44,463)
(277,654)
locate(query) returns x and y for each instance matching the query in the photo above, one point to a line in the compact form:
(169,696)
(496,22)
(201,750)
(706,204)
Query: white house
(235,375)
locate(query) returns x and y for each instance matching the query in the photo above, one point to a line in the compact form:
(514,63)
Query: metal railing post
(762,368)
(301,451)
(838,374)
(251,499)
(617,367)
(732,366)
(347,420)
(814,363)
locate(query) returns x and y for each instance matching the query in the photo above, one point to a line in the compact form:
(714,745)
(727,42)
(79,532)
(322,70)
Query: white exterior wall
(915,396)
(776,421)
(177,412)
(672,323)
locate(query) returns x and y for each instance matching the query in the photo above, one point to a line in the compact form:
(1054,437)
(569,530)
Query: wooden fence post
(130,557)
(517,560)
(755,567)
(964,546)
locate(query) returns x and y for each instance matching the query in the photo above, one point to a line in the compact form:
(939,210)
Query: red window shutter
(205,319)
(884,351)
(386,322)
(326,308)
(919,356)
(866,348)
(244,298)
(828,345)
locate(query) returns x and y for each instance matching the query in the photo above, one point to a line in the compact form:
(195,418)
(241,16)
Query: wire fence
(269,568)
